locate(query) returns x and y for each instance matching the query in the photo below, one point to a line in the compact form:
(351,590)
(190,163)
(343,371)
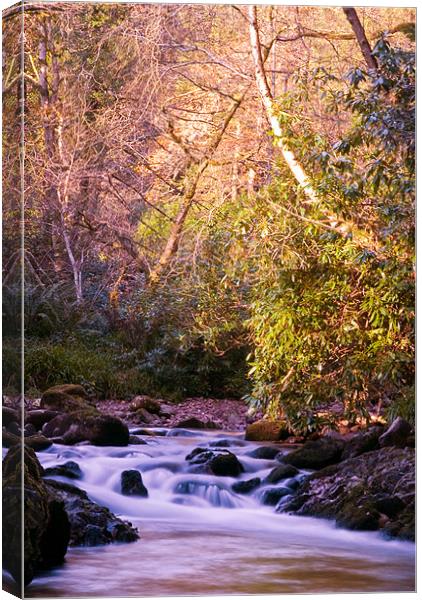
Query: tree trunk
(362,40)
(267,101)
(188,198)
(76,267)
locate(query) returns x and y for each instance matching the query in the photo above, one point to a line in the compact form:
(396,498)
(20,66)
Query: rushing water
(198,537)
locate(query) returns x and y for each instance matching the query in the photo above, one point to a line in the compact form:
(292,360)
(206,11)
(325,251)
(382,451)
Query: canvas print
(208,299)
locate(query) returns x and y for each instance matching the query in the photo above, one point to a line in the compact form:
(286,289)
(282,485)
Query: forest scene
(208,299)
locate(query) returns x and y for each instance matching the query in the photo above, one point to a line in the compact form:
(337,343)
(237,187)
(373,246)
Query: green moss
(267,431)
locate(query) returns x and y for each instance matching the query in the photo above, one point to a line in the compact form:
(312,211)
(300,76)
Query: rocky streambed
(201,511)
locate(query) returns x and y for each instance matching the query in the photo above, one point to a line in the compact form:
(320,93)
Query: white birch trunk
(268,102)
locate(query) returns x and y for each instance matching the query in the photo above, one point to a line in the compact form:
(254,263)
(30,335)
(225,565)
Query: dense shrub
(333,311)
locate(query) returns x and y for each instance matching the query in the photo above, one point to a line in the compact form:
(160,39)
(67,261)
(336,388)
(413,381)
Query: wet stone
(69,469)
(264,453)
(245,487)
(281,472)
(132,484)
(272,496)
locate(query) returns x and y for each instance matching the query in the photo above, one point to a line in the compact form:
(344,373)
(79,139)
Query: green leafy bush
(332,316)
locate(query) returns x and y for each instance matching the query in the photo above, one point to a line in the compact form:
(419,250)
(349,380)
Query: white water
(211,540)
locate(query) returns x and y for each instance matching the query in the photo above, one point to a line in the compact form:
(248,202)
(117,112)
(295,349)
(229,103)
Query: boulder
(106,431)
(69,469)
(132,484)
(145,402)
(37,442)
(60,424)
(195,423)
(9,415)
(143,416)
(245,487)
(264,452)
(267,431)
(397,434)
(46,526)
(66,398)
(39,417)
(222,463)
(226,465)
(375,490)
(316,454)
(362,442)
(14,428)
(199,455)
(280,473)
(77,427)
(90,523)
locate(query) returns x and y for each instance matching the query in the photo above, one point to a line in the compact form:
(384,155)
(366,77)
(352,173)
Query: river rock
(264,452)
(182,433)
(272,496)
(37,442)
(69,469)
(222,463)
(134,439)
(363,492)
(281,472)
(199,455)
(14,428)
(226,443)
(167,410)
(90,523)
(316,454)
(144,416)
(397,434)
(149,432)
(145,402)
(245,487)
(195,423)
(66,398)
(106,431)
(132,484)
(267,431)
(9,415)
(362,442)
(61,424)
(29,430)
(46,526)
(39,417)
(77,427)
(226,465)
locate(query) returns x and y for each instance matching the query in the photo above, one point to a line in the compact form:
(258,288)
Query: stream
(198,537)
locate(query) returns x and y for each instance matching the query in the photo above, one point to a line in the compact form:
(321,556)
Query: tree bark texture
(362,40)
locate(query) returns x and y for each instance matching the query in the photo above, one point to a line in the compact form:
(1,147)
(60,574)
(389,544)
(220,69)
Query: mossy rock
(145,403)
(46,526)
(37,442)
(65,398)
(267,431)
